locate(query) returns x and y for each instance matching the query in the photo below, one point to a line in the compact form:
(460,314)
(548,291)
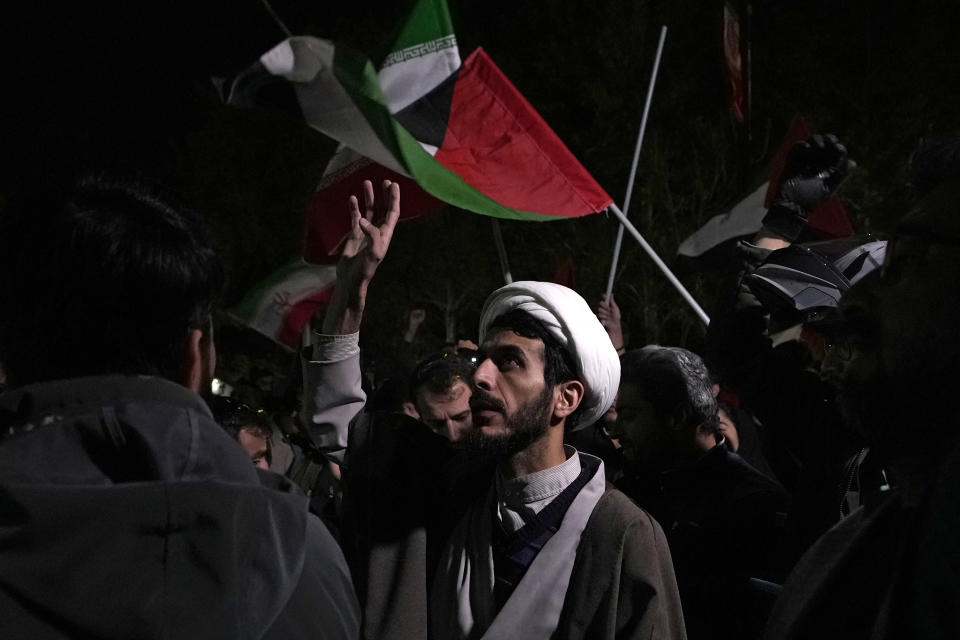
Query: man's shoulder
(743,482)
(617,517)
(623,583)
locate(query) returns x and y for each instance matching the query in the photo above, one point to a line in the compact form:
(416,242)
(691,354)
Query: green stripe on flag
(428,21)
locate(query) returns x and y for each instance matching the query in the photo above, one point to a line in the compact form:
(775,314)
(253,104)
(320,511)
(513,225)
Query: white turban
(567,317)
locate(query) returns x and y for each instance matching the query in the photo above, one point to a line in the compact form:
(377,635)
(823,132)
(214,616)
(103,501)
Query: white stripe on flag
(326,105)
(405,80)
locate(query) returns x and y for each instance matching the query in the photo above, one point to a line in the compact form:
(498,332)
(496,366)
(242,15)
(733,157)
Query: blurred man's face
(904,323)
(256,446)
(512,406)
(447,414)
(650,442)
(637,427)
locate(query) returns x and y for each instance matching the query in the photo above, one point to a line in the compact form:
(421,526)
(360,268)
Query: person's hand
(417,316)
(609,315)
(414,320)
(363,251)
(728,429)
(815,168)
(370,233)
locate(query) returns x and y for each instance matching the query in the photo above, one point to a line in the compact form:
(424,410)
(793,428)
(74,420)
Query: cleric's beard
(524,426)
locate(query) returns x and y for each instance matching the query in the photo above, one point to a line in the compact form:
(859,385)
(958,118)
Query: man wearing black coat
(723,519)
(125,511)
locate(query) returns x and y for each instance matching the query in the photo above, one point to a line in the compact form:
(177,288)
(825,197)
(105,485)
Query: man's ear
(569,395)
(192,362)
(410,409)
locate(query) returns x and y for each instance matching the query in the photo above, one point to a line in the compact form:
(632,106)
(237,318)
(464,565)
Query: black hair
(558,365)
(437,373)
(390,395)
(234,416)
(675,382)
(103,276)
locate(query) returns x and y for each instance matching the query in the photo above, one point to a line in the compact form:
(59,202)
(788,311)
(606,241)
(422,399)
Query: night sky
(126,86)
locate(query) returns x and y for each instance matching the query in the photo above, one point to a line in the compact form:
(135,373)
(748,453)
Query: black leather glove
(814,169)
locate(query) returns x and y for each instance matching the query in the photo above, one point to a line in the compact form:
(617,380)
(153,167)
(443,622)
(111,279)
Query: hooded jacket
(126,512)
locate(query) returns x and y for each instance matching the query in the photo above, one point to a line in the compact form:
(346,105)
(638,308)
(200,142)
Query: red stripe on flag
(830,220)
(501,146)
(799,130)
(299,315)
(328,220)
(733,62)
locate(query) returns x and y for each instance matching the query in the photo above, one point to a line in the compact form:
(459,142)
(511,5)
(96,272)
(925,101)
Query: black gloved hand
(814,169)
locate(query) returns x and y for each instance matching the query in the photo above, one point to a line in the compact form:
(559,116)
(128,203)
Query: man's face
(645,439)
(903,322)
(512,405)
(256,447)
(446,413)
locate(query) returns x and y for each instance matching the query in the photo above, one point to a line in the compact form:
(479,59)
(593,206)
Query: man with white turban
(513,535)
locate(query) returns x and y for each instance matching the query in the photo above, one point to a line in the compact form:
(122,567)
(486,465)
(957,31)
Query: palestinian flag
(463,133)
(280,306)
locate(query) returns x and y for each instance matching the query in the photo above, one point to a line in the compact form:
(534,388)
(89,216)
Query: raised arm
(332,391)
(609,315)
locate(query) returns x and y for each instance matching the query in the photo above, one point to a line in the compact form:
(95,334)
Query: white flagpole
(501,251)
(636,159)
(663,267)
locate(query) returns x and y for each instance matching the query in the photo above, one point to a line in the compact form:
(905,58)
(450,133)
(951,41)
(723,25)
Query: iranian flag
(282,304)
(462,133)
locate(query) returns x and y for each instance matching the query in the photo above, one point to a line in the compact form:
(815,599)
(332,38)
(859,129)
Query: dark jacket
(126,512)
(890,570)
(724,522)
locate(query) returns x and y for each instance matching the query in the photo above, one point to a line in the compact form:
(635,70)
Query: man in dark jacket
(126,511)
(722,517)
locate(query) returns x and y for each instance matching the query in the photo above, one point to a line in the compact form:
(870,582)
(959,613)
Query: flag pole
(636,160)
(663,267)
(501,251)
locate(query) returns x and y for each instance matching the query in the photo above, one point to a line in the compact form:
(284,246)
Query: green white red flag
(463,133)
(282,304)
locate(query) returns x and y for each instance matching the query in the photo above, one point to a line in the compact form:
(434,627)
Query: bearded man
(513,534)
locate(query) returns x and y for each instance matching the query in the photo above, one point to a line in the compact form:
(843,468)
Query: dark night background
(127,86)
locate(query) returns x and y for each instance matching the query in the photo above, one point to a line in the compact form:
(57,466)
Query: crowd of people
(798,479)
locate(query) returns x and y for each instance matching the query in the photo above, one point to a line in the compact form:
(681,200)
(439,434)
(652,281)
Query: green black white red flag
(463,133)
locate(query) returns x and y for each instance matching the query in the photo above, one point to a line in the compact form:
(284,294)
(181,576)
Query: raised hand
(370,233)
(814,169)
(609,315)
(363,251)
